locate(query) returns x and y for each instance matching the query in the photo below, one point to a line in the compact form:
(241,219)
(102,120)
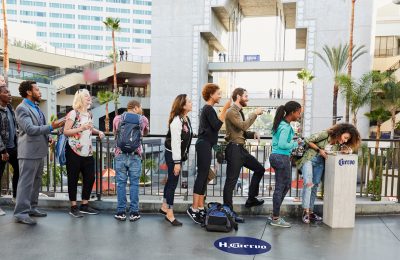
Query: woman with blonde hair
(79,152)
(177,144)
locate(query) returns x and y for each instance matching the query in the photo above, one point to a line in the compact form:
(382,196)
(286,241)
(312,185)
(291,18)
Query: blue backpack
(219,218)
(61,143)
(129,135)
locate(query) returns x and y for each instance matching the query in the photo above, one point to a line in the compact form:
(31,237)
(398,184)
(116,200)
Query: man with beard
(32,148)
(236,154)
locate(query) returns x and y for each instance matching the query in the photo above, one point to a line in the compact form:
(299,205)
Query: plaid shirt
(144,126)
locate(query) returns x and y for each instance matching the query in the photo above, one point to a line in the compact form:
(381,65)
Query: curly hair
(25,86)
(208,90)
(336,131)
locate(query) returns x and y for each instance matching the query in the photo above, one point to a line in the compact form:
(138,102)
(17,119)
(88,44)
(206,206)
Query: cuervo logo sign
(346,162)
(242,245)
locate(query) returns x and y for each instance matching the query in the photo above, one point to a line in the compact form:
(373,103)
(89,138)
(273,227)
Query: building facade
(78,24)
(211,24)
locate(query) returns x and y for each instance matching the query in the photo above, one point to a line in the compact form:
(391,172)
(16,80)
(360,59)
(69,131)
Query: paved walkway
(60,236)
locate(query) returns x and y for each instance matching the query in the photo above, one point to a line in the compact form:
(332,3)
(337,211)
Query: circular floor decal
(242,245)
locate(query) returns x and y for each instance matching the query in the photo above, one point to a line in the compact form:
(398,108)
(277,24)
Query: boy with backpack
(128,130)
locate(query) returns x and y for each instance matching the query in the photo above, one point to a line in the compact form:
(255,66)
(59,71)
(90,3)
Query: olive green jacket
(320,139)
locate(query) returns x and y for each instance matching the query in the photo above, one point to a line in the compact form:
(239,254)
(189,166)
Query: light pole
(293,87)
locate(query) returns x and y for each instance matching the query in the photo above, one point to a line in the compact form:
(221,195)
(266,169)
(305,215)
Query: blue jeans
(128,165)
(283,176)
(313,171)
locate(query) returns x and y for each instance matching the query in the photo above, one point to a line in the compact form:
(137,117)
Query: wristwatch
(318,150)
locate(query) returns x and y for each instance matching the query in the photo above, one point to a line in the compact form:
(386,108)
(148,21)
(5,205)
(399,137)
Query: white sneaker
(2,213)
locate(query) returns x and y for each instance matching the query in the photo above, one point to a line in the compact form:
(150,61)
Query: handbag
(211,175)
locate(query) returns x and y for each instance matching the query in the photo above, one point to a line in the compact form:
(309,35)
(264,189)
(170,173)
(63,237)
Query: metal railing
(378,176)
(27,75)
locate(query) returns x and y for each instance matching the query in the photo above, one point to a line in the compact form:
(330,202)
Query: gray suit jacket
(33,138)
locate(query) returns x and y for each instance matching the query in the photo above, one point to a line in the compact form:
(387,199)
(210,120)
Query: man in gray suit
(33,143)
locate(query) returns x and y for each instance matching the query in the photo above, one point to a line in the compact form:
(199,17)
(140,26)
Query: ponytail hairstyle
(283,111)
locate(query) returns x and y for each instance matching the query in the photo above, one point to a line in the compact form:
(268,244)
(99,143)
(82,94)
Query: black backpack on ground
(129,134)
(219,218)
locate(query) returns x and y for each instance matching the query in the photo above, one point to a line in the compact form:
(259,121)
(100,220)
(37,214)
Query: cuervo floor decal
(242,245)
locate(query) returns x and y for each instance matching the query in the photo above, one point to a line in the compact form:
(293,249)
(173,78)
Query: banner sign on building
(251,58)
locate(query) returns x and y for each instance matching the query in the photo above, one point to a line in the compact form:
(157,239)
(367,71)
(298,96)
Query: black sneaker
(120,216)
(315,217)
(75,212)
(134,216)
(253,202)
(86,209)
(195,216)
(203,213)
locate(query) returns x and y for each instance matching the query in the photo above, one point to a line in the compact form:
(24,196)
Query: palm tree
(113,25)
(379,115)
(336,58)
(359,92)
(387,96)
(5,51)
(306,77)
(350,66)
(105,97)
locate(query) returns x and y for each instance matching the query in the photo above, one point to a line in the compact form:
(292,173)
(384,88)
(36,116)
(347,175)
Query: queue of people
(25,137)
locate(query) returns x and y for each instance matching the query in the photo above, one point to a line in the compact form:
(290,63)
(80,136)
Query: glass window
(84,27)
(56,44)
(69,35)
(119,1)
(142,12)
(41,34)
(84,37)
(56,35)
(68,26)
(138,2)
(141,21)
(56,25)
(63,6)
(32,3)
(69,45)
(118,10)
(96,8)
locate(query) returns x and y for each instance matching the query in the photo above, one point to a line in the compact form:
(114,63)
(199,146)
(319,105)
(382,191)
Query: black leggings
(204,156)
(13,160)
(75,165)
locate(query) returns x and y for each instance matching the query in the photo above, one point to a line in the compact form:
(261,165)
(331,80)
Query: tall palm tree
(387,96)
(105,97)
(336,59)
(5,51)
(306,77)
(359,92)
(350,66)
(113,25)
